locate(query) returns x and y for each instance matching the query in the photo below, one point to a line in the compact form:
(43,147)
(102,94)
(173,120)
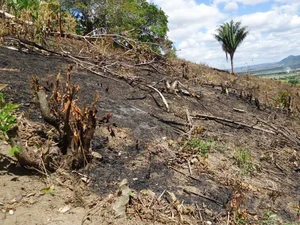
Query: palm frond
(230,35)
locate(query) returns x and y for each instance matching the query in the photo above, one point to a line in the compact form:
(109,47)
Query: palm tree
(231,35)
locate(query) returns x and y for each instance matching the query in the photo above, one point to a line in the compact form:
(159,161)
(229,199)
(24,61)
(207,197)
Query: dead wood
(228,88)
(274,130)
(75,126)
(191,192)
(33,44)
(190,123)
(203,196)
(283,131)
(91,66)
(96,69)
(239,110)
(229,122)
(36,149)
(223,71)
(168,121)
(117,39)
(24,156)
(22,42)
(161,95)
(44,105)
(146,63)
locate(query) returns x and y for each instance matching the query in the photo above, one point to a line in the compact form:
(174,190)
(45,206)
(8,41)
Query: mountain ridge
(288,63)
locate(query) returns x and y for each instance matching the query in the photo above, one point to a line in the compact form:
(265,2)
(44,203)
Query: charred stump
(67,144)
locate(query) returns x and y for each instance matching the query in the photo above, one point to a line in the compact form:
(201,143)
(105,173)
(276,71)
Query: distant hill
(288,63)
(291,61)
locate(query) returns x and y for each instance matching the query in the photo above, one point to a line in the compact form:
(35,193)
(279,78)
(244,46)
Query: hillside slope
(223,155)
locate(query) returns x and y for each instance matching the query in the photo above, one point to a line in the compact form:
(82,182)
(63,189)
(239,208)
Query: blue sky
(274,27)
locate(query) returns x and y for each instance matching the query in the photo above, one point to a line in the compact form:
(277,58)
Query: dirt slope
(149,148)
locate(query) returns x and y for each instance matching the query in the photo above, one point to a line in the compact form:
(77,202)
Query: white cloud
(245,2)
(274,33)
(271,21)
(288,8)
(231,6)
(186,17)
(287,1)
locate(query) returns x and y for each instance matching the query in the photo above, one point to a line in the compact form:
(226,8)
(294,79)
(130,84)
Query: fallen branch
(161,95)
(203,196)
(191,192)
(189,176)
(31,43)
(81,63)
(167,121)
(239,110)
(287,134)
(9,70)
(145,63)
(190,123)
(99,36)
(228,121)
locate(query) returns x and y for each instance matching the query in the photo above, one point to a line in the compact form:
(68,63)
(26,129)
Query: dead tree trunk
(75,127)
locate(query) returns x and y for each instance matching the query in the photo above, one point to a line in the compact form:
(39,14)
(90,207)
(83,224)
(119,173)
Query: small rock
(11,212)
(122,200)
(16,199)
(208,212)
(97,155)
(14,179)
(194,160)
(85,180)
(29,195)
(185,92)
(64,209)
(148,192)
(171,198)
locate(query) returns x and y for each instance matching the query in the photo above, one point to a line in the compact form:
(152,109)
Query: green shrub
(281,100)
(7,116)
(293,81)
(7,120)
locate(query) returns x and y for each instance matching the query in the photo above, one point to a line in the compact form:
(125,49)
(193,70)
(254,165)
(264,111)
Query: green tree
(16,6)
(230,36)
(89,14)
(145,21)
(156,23)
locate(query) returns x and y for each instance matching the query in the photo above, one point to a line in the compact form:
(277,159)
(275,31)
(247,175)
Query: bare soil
(149,150)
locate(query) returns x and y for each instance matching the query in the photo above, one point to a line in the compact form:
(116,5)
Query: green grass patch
(243,159)
(196,145)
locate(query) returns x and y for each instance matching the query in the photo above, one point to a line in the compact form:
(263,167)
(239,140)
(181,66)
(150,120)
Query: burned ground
(150,144)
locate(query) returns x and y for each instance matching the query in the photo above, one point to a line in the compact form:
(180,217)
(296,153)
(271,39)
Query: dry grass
(269,92)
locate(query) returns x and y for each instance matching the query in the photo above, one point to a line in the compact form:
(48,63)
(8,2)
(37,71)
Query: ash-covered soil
(150,150)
